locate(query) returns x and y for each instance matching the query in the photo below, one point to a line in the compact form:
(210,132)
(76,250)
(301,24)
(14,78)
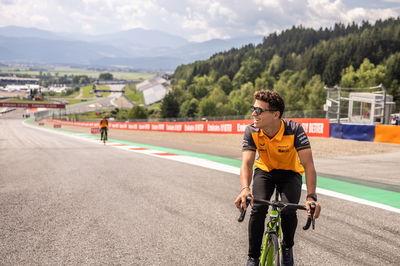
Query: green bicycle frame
(273,227)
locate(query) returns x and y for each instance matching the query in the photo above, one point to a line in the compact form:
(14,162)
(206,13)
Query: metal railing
(79,115)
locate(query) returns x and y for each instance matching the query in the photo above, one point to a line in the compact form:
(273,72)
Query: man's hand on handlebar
(313,209)
(240,201)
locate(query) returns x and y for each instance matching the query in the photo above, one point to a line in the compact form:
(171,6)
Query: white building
(154,89)
(25,87)
(11,84)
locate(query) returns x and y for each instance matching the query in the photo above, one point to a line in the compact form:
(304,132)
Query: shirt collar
(278,136)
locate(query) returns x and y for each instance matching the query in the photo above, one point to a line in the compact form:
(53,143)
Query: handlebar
(282,205)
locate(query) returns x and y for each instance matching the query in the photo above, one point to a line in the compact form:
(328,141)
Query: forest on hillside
(298,63)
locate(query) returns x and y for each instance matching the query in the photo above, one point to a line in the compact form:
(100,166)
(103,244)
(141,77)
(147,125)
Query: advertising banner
(313,127)
(355,132)
(387,133)
(32,105)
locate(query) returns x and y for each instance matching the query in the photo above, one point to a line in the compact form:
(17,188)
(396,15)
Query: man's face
(266,118)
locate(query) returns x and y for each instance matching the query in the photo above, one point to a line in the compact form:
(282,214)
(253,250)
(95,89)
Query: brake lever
(310,220)
(243,212)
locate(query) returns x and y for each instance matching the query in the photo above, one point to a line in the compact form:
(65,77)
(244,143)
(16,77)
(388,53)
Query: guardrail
(313,126)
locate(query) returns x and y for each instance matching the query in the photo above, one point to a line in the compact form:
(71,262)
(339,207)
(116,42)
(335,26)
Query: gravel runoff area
(229,145)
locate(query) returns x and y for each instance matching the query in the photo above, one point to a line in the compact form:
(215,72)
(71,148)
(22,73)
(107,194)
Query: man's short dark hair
(274,100)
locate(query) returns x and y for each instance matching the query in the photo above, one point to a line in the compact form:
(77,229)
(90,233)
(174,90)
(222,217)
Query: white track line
(211,165)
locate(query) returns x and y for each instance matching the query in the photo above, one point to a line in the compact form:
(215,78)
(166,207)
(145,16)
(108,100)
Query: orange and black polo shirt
(280,152)
(103,124)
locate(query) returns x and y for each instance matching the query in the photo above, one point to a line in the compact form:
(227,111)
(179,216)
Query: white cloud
(270,4)
(359,14)
(192,19)
(40,20)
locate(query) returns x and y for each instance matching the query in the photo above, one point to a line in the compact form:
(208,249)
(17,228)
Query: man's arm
(246,175)
(307,161)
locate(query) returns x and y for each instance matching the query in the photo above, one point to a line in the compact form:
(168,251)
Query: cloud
(359,14)
(6,2)
(192,19)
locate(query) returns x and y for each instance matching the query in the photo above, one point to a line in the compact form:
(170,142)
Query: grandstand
(18,84)
(154,89)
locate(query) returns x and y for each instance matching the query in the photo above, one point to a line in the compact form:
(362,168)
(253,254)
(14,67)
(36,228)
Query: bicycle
(271,247)
(103,135)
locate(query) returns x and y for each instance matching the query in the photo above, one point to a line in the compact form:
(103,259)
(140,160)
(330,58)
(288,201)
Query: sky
(194,20)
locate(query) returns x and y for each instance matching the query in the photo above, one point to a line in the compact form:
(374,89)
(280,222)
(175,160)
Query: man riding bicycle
(284,154)
(103,127)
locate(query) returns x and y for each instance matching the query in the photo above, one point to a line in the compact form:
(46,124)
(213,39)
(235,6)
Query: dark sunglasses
(259,110)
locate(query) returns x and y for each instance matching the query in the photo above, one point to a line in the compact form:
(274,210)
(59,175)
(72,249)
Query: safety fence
(314,127)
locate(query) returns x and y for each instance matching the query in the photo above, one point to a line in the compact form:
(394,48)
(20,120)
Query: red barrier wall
(313,127)
(387,133)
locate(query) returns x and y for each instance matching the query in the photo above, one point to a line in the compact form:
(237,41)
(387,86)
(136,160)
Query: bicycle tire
(271,254)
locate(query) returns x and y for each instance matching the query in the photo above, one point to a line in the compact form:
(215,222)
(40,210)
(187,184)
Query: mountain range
(135,48)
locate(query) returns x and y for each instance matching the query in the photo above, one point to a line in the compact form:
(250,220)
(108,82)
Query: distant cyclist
(284,154)
(104,128)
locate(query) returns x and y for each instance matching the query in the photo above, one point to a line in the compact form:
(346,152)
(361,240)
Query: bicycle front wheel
(270,255)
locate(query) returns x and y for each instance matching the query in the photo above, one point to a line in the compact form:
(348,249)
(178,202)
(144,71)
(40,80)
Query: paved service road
(66,201)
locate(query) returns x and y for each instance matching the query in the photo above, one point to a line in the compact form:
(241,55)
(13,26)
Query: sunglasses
(259,110)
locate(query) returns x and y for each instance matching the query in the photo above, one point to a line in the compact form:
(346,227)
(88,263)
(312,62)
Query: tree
(81,79)
(207,107)
(393,66)
(225,84)
(331,74)
(316,94)
(106,76)
(247,91)
(200,86)
(290,87)
(265,81)
(238,103)
(137,112)
(393,76)
(248,72)
(368,75)
(115,112)
(225,110)
(189,108)
(218,95)
(154,111)
(275,66)
(170,105)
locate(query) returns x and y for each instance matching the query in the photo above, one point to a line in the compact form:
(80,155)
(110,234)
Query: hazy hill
(139,48)
(21,32)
